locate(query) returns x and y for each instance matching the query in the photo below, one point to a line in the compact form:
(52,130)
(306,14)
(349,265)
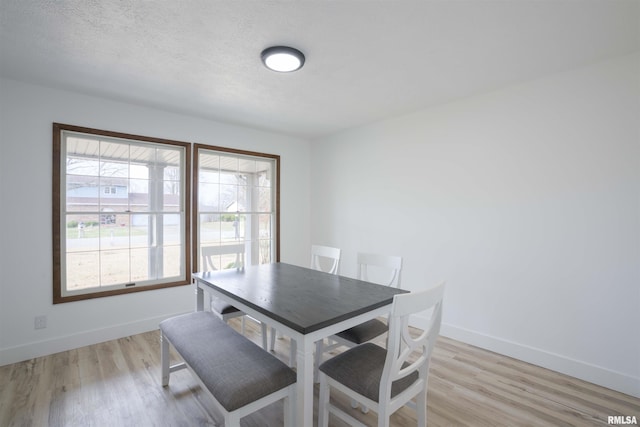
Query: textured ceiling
(366,60)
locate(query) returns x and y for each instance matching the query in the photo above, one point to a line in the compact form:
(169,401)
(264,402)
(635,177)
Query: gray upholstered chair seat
(239,373)
(360,369)
(364,332)
(221,306)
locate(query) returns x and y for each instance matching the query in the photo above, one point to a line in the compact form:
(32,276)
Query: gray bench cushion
(235,370)
(364,332)
(360,369)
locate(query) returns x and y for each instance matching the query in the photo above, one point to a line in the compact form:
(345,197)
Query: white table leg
(199,298)
(304,394)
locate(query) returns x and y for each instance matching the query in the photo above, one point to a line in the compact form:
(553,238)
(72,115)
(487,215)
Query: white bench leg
(289,405)
(164,359)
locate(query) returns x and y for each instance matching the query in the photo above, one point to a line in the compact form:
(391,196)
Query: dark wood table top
(305,300)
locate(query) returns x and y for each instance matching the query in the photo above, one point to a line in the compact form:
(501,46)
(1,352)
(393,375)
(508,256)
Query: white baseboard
(555,362)
(69,342)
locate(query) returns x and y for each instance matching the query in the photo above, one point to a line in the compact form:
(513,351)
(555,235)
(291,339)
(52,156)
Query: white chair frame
(401,345)
(389,263)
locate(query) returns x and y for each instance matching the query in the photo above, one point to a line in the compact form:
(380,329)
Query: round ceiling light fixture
(283,59)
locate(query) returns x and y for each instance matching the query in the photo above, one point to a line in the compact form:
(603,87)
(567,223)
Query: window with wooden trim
(121,213)
(236,208)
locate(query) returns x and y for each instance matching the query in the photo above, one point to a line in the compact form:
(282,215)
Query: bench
(241,376)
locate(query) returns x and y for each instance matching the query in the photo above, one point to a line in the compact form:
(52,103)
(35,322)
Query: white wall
(525,200)
(27,113)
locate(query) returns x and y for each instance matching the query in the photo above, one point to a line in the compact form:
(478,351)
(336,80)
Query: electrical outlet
(40,322)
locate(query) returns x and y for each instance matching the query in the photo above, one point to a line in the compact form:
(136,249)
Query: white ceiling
(366,60)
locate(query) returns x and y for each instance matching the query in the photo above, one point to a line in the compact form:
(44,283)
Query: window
(120,213)
(236,217)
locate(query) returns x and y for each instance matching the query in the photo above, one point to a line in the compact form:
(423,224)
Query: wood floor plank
(117,383)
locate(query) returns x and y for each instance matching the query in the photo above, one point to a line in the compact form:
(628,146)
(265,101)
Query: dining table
(304,304)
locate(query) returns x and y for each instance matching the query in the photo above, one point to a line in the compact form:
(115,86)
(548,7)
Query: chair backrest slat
(209,252)
(392,265)
(325,252)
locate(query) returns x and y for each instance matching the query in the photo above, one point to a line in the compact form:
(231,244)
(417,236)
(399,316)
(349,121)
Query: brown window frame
(58,297)
(195,222)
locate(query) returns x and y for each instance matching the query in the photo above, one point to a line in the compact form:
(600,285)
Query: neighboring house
(88,194)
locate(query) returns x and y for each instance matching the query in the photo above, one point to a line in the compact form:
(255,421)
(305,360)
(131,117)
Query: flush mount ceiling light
(282,58)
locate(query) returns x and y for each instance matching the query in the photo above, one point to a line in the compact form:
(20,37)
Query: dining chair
(386,380)
(382,269)
(220,307)
(323,258)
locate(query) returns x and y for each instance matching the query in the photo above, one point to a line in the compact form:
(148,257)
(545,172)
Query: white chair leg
(421,408)
(317,359)
(273,339)
(289,414)
(243,327)
(231,420)
(383,416)
(263,326)
(293,349)
(164,359)
(363,409)
(323,402)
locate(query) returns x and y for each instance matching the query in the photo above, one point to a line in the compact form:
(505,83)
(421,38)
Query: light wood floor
(117,383)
